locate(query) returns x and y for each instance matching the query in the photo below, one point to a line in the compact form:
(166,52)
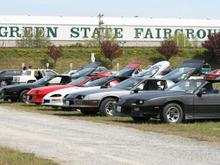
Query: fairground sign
(125,33)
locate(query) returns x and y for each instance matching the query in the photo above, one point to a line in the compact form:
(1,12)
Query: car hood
(99,93)
(19,86)
(148,95)
(55,87)
(67,91)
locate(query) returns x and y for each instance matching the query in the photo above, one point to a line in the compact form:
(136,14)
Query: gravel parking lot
(86,143)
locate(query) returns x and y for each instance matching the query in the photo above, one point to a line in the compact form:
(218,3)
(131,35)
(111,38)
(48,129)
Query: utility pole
(100,23)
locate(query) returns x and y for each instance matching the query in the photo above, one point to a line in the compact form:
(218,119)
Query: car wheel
(89,112)
(140,119)
(108,106)
(172,113)
(23,96)
(3,83)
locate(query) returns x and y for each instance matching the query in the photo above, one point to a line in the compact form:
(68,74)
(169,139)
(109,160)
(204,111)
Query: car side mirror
(104,86)
(47,84)
(201,92)
(136,90)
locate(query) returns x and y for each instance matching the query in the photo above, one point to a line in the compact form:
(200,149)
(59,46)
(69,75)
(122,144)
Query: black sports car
(189,99)
(18,92)
(6,76)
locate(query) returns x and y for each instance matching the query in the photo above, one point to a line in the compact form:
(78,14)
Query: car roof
(195,63)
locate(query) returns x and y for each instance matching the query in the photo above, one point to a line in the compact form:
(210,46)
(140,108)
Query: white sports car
(155,71)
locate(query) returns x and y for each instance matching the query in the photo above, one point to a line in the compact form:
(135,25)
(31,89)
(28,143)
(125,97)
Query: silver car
(103,100)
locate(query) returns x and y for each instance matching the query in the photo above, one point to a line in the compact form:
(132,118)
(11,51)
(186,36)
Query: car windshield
(124,72)
(149,72)
(188,86)
(26,73)
(10,72)
(179,73)
(50,73)
(44,79)
(78,80)
(128,84)
(83,72)
(98,82)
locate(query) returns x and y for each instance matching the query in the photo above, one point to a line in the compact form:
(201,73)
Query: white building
(130,31)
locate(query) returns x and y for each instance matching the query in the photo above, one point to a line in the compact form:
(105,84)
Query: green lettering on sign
(201,33)
(14,31)
(3,31)
(85,31)
(138,32)
(118,32)
(190,34)
(52,32)
(74,32)
(95,33)
(158,33)
(167,33)
(148,33)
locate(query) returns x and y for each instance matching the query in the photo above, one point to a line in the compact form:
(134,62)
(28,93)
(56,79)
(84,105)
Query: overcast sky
(143,8)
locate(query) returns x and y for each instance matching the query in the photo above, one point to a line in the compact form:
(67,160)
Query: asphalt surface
(76,142)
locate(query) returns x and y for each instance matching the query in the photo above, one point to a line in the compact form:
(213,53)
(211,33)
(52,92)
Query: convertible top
(195,63)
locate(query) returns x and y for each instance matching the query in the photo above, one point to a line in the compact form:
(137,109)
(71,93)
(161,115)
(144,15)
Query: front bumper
(79,103)
(8,95)
(53,102)
(34,99)
(138,111)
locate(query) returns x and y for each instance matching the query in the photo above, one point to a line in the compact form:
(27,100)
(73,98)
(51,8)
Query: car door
(208,104)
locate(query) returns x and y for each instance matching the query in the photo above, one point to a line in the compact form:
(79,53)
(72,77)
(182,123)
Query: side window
(212,88)
(161,85)
(153,85)
(141,86)
(65,80)
(38,75)
(56,80)
(50,73)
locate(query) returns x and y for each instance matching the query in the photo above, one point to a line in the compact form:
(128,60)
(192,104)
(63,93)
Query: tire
(107,107)
(89,112)
(23,96)
(140,119)
(3,83)
(172,113)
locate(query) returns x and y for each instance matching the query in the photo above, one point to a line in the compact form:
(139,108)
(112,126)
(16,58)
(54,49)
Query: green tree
(111,50)
(213,46)
(168,48)
(181,40)
(55,52)
(33,39)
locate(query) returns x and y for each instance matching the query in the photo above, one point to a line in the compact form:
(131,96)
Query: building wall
(129,31)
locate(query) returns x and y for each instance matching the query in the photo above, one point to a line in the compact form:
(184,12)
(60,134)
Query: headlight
(138,102)
(56,95)
(80,97)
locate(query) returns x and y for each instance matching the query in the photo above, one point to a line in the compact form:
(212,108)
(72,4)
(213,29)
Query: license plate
(118,109)
(55,100)
(67,102)
(27,98)
(77,102)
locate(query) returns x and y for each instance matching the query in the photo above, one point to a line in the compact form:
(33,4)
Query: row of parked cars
(154,92)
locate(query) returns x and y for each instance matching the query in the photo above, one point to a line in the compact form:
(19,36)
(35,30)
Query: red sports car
(36,95)
(213,74)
